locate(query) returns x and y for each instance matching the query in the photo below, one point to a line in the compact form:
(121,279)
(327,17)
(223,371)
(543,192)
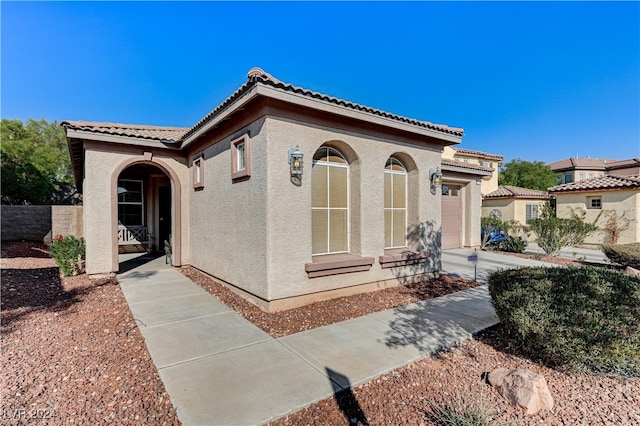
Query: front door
(164,209)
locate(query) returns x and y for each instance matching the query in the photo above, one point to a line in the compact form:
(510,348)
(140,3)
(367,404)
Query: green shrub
(623,254)
(581,318)
(69,254)
(554,234)
(511,245)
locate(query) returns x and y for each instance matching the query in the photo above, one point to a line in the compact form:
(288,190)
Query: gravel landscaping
(71,349)
(71,352)
(318,314)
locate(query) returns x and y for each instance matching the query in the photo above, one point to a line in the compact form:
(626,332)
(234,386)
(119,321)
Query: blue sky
(538,81)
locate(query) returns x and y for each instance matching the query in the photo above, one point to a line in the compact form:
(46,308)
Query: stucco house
(514,203)
(484,159)
(618,194)
(285,195)
(578,169)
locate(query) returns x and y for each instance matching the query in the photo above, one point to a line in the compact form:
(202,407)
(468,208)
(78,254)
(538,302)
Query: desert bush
(511,244)
(69,254)
(616,224)
(623,254)
(553,233)
(584,319)
(461,412)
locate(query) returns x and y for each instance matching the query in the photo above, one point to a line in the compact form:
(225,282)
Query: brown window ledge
(402,257)
(333,264)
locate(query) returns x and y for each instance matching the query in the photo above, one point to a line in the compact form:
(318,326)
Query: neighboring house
(484,159)
(578,169)
(609,194)
(514,203)
(287,195)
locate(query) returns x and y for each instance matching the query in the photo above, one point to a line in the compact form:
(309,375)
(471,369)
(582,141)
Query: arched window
(395,204)
(329,202)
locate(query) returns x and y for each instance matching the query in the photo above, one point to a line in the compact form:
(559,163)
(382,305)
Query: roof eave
(126,140)
(466,170)
(260,89)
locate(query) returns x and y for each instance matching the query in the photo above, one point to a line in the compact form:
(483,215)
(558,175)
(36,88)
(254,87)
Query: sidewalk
(220,369)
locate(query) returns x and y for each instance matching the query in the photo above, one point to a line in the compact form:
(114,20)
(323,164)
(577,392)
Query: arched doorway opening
(144,213)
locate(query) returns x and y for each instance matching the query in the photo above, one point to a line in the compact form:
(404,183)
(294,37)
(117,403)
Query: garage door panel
(451,218)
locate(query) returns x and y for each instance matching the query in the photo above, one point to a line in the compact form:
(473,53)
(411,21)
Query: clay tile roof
(463,165)
(623,163)
(160,133)
(600,183)
(571,163)
(508,191)
(258,76)
(479,154)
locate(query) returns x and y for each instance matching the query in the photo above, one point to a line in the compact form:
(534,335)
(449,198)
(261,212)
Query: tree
(34,159)
(527,174)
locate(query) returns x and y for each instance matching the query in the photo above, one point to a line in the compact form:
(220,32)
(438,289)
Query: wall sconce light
(435,176)
(296,165)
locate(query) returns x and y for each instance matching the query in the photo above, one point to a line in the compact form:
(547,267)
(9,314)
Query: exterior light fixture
(296,164)
(435,176)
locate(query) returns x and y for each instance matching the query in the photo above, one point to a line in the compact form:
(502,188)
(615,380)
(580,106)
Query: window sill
(402,257)
(334,264)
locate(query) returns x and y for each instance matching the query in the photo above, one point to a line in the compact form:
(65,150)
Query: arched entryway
(145,211)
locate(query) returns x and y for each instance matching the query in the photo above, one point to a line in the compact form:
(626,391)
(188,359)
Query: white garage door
(451,217)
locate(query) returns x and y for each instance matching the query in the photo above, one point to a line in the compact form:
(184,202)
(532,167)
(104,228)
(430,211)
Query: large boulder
(522,388)
(632,271)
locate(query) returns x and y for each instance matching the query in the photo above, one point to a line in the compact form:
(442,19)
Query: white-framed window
(592,175)
(395,204)
(130,202)
(594,202)
(532,212)
(329,202)
(241,158)
(581,176)
(198,173)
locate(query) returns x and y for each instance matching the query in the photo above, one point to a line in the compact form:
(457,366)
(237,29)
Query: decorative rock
(632,271)
(522,388)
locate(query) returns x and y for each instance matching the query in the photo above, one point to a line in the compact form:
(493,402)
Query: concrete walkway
(220,369)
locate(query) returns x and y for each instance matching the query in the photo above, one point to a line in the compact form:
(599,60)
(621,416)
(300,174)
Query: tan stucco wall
(288,206)
(504,205)
(512,209)
(256,234)
(229,219)
(101,164)
(627,202)
(66,220)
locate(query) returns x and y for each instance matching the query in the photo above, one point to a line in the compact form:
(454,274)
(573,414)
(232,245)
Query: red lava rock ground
(318,314)
(70,348)
(71,351)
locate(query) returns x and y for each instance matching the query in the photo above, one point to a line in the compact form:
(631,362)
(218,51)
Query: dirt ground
(72,354)
(71,351)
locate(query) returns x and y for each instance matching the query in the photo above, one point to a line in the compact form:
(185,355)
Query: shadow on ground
(139,261)
(346,400)
(414,325)
(23,291)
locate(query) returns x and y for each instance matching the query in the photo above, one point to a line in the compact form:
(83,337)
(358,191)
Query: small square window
(594,203)
(241,158)
(198,173)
